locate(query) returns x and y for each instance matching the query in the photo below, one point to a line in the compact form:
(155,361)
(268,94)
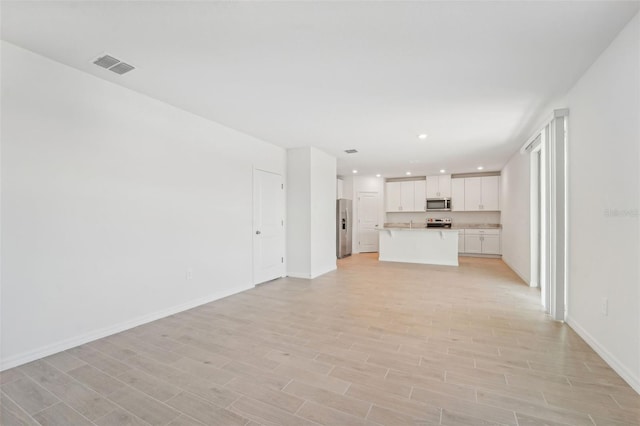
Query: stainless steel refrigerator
(344,218)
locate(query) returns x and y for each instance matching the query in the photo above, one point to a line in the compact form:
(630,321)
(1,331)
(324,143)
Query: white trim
(519,273)
(310,276)
(609,358)
(72,342)
(305,276)
(563,112)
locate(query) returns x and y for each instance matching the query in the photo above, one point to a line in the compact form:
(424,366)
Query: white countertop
(455,226)
(415,228)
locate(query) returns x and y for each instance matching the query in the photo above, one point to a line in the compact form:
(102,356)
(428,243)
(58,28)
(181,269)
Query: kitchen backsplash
(456,217)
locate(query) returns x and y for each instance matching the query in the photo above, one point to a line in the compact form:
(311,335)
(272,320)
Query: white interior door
(368,216)
(268,226)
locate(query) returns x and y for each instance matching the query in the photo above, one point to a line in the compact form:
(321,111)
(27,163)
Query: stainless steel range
(443,222)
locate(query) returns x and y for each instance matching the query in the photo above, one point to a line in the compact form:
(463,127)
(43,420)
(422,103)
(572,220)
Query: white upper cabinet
(444,183)
(480,193)
(472,194)
(439,186)
(405,196)
(420,195)
(393,195)
(457,195)
(491,193)
(407,191)
(432,186)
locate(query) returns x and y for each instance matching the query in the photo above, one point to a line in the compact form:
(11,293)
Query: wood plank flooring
(370,344)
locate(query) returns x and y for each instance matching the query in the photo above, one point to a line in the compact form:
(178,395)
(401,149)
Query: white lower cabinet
(472,244)
(491,244)
(461,241)
(481,241)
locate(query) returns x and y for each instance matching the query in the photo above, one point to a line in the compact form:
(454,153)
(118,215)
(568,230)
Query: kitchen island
(430,246)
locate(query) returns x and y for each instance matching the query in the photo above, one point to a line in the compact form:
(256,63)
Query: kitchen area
(425,219)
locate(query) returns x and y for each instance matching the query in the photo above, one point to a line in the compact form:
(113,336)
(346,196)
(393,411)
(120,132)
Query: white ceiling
(337,75)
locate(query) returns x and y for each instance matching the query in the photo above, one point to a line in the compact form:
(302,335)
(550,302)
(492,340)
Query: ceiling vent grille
(106,61)
(121,68)
(113,64)
(350,151)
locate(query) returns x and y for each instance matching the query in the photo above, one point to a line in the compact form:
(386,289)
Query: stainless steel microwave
(438,204)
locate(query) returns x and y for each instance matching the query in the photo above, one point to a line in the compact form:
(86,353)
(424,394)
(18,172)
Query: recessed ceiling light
(408,173)
(480,167)
(351,151)
(355,171)
(442,170)
(422,136)
(378,175)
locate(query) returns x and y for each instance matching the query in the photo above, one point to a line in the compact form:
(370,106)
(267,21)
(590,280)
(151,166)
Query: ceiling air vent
(113,64)
(121,68)
(350,151)
(106,61)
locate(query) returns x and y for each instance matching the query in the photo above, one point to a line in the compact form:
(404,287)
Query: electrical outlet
(604,308)
(189,274)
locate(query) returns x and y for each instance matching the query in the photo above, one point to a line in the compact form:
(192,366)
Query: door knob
(258,232)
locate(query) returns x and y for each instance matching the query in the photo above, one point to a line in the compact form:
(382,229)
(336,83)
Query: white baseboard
(325,270)
(310,275)
(609,358)
(519,273)
(303,275)
(34,354)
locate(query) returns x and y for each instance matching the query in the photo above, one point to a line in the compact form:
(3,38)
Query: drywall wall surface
(298,189)
(515,215)
(109,199)
(603,202)
(323,212)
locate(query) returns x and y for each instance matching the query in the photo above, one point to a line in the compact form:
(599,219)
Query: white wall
(323,212)
(515,215)
(603,203)
(311,212)
(298,189)
(108,196)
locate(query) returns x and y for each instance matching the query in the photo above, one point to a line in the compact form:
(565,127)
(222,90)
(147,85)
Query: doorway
(368,221)
(547,150)
(268,226)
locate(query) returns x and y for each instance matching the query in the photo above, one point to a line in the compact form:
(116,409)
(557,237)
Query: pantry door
(368,221)
(268,226)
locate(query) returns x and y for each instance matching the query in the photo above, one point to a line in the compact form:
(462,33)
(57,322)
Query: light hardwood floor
(372,343)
